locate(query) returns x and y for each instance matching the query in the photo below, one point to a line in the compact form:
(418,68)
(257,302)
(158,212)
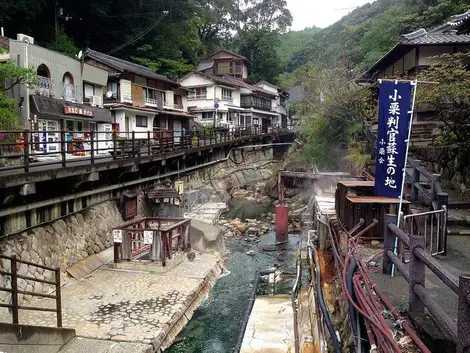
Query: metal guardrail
(14,276)
(432,226)
(419,296)
(24,149)
(160,238)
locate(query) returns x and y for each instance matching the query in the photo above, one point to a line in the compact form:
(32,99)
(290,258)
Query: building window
(226,94)
(68,88)
(198,93)
(223,68)
(141,121)
(207,116)
(43,71)
(238,67)
(113,88)
(88,90)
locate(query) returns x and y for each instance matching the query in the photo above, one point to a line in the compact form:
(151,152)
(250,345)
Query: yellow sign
(179,186)
(77,111)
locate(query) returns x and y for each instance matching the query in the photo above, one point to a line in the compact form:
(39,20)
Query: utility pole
(56,20)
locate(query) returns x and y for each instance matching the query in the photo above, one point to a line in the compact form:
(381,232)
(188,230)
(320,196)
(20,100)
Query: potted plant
(195,141)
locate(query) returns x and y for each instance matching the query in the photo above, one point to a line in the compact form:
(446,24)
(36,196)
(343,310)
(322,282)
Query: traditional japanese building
(141,100)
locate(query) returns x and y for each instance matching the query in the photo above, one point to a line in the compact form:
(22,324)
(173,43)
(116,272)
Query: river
(216,324)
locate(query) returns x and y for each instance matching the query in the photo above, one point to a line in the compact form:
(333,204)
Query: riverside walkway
(127,311)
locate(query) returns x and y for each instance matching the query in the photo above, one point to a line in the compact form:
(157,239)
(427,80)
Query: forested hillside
(366,34)
(294,41)
(336,120)
(169,36)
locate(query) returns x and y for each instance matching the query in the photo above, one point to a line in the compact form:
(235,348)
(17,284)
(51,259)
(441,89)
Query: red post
(282,223)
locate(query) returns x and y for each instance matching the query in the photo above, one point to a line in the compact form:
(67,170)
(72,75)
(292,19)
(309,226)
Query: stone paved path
(126,306)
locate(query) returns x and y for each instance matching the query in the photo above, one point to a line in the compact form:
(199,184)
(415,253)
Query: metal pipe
(353,317)
(323,308)
(356,227)
(366,229)
(295,290)
(317,304)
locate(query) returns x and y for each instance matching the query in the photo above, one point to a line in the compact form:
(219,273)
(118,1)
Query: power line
(138,36)
(128,15)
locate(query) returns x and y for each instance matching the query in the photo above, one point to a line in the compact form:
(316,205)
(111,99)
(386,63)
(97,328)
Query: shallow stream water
(216,324)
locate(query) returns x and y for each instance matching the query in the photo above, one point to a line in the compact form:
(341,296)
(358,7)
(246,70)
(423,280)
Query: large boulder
(206,238)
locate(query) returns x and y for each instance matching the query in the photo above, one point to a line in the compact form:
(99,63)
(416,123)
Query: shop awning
(56,109)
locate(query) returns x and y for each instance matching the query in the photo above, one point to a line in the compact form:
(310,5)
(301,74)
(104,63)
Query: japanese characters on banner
(395,100)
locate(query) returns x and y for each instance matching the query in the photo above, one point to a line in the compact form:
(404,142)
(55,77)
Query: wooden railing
(160,238)
(24,150)
(13,275)
(415,274)
(434,194)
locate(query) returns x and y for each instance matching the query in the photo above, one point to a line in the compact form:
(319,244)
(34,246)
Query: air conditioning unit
(24,38)
(96,101)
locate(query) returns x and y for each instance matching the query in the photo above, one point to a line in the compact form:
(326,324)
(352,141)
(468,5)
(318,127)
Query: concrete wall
(63,243)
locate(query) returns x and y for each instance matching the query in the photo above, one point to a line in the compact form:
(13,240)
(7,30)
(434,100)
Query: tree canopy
(170,36)
(367,33)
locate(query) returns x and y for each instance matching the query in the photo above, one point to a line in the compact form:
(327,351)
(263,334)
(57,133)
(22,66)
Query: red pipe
(414,336)
(363,301)
(388,335)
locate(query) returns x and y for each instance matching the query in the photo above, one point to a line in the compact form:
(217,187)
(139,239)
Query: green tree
(335,117)
(64,44)
(11,76)
(259,47)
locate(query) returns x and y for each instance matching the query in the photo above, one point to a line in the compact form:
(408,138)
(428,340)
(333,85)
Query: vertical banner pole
(400,207)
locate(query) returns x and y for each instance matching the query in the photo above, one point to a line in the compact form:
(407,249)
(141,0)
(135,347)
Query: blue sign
(216,106)
(394,121)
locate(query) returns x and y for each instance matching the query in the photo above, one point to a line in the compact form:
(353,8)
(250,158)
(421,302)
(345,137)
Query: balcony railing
(45,86)
(255,105)
(151,102)
(197,96)
(178,106)
(69,92)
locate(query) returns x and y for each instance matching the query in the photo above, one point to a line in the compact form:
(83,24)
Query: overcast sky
(320,13)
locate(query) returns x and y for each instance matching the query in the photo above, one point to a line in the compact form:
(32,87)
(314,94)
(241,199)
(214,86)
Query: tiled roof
(5,42)
(123,65)
(457,20)
(241,83)
(234,82)
(228,51)
(423,37)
